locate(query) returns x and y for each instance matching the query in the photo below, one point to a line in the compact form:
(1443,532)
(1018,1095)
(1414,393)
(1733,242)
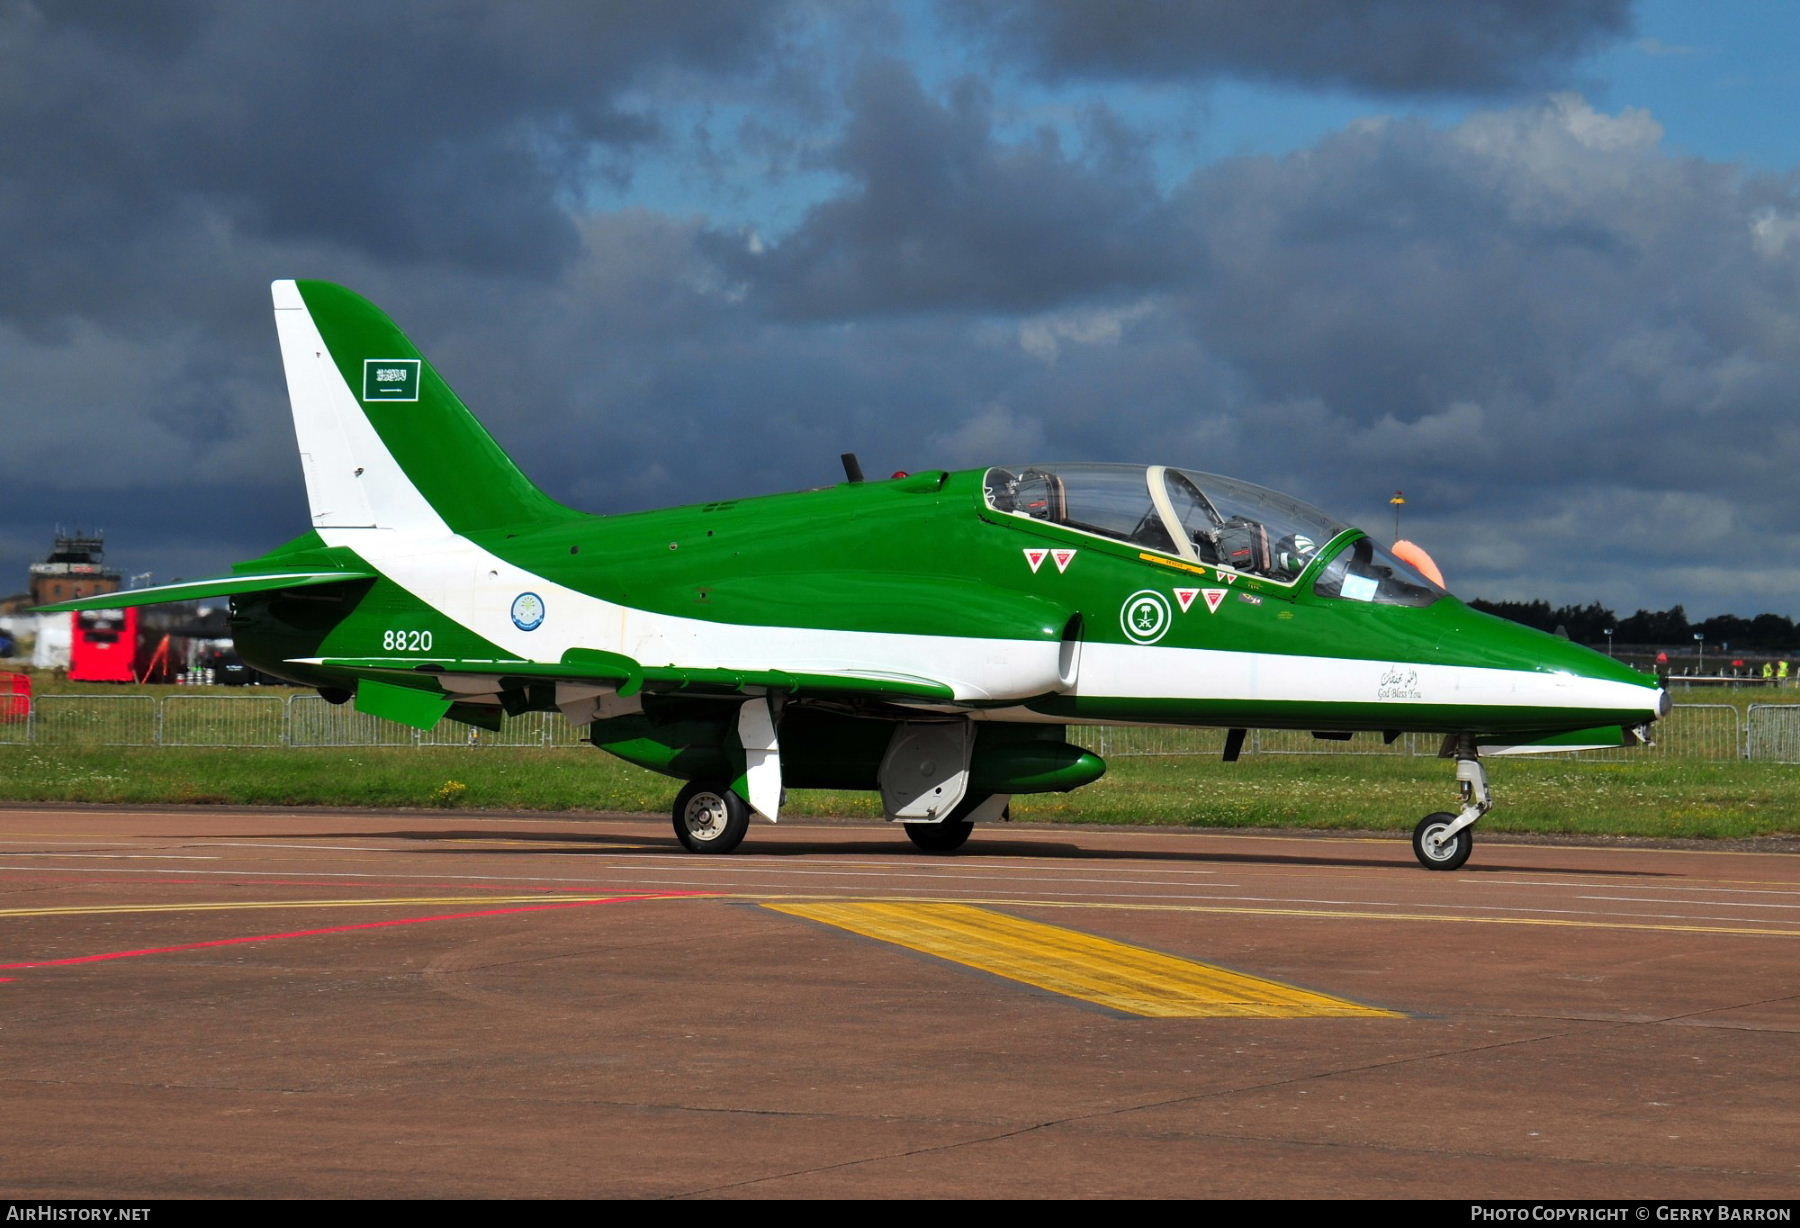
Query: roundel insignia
(528,611)
(1145,616)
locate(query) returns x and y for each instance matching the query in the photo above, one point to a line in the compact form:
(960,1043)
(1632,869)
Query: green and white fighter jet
(931,637)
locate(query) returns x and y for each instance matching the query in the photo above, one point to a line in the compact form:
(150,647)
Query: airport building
(76,568)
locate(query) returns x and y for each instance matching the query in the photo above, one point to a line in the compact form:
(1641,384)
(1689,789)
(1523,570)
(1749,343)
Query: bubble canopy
(1206,518)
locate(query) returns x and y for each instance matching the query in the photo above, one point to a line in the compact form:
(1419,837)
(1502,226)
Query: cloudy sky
(1535,262)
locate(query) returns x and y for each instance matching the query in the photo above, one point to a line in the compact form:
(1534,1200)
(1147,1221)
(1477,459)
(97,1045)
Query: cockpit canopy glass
(1206,518)
(1365,570)
(1202,517)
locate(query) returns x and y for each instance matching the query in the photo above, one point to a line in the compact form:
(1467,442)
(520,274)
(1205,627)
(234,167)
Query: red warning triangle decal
(1036,559)
(1186,597)
(1062,558)
(1213,597)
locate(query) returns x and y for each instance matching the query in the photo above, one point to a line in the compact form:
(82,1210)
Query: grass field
(1622,793)
(1622,796)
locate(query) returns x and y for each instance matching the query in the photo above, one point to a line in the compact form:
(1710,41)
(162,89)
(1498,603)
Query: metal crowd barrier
(1712,732)
(1773,733)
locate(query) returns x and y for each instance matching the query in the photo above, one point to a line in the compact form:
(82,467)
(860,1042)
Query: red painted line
(411,884)
(345,929)
(68,876)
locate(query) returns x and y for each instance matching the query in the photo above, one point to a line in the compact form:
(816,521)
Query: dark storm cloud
(1575,350)
(1551,265)
(945,214)
(1383,47)
(406,131)
(645,377)
(160,163)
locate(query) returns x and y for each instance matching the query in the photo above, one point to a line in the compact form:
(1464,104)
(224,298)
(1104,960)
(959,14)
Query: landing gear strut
(1443,841)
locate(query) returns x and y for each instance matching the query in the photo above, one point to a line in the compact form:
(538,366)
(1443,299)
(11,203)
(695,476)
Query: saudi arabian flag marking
(390,379)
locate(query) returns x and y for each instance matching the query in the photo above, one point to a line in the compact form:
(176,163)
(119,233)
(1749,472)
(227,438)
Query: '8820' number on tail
(406,641)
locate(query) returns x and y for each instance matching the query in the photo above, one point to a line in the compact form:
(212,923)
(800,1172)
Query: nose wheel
(1439,848)
(1443,841)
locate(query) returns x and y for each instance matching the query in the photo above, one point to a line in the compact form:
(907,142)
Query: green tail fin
(384,440)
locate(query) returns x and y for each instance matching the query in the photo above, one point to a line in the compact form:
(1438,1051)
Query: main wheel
(945,837)
(710,818)
(1441,856)
(953,832)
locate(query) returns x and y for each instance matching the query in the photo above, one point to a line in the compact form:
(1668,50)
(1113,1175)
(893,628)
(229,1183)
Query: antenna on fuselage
(852,467)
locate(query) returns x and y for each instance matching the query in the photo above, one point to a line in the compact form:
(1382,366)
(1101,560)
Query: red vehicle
(104,646)
(15,697)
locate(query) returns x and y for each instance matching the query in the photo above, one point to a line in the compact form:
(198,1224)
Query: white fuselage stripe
(476,588)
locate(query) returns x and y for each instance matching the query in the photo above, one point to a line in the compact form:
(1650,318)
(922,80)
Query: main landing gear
(953,832)
(945,837)
(1443,841)
(710,817)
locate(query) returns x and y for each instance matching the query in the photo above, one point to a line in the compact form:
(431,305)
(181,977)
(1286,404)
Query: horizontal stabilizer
(420,709)
(215,586)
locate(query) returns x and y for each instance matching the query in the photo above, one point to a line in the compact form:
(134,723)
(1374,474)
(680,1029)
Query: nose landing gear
(1443,841)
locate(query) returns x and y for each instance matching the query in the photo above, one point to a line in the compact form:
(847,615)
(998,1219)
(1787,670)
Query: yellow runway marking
(106,909)
(1113,974)
(1340,915)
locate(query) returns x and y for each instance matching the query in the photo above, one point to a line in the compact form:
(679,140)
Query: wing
(215,586)
(420,692)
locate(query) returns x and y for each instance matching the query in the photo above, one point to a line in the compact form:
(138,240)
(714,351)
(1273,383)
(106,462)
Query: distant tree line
(1588,624)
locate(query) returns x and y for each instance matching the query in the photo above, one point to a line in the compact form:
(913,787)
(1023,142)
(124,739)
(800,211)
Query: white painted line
(1639,899)
(257,844)
(127,856)
(102,840)
(1520,882)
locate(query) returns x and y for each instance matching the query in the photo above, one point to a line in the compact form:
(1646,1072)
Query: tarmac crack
(1736,1006)
(1698,1016)
(1219,1136)
(1144,1106)
(1273,1085)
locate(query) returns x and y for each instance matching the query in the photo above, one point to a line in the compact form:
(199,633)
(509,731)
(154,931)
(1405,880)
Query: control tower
(76,568)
